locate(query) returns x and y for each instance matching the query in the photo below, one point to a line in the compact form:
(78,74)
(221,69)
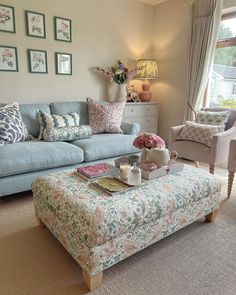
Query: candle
(124,170)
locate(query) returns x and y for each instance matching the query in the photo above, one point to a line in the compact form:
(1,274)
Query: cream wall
(102,32)
(171,25)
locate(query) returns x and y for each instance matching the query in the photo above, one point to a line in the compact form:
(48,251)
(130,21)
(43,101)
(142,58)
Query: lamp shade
(149,69)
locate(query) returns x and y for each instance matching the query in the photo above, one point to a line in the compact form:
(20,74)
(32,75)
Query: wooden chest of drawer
(145,114)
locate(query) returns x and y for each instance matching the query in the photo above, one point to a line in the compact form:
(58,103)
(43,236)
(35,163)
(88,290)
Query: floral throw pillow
(67,133)
(12,127)
(105,118)
(212,118)
(57,121)
(199,132)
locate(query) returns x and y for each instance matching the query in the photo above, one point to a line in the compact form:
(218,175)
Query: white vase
(117,92)
(160,157)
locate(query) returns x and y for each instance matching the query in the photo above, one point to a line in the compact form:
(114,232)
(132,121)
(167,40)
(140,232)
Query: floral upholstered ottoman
(99,230)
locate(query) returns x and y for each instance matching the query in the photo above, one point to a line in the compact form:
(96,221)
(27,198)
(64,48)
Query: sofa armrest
(220,146)
(174,133)
(130,128)
(232,155)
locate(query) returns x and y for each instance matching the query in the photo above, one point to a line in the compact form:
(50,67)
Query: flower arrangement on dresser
(120,75)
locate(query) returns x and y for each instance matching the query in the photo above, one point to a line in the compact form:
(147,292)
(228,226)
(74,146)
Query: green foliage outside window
(227,103)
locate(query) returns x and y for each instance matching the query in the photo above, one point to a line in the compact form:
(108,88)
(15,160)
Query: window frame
(220,44)
(230,41)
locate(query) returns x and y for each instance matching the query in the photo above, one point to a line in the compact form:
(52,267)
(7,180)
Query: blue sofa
(21,163)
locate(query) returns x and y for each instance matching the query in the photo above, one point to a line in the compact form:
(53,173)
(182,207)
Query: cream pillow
(201,133)
(212,118)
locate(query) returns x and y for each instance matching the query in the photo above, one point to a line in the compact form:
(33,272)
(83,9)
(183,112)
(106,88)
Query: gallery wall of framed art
(35,27)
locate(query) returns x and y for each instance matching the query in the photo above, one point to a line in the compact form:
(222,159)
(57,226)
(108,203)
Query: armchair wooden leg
(93,281)
(211,216)
(230,182)
(196,164)
(212,168)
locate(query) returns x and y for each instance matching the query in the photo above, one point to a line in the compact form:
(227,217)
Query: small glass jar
(134,175)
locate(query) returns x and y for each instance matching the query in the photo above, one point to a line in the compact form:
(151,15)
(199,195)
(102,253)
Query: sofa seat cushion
(101,146)
(30,156)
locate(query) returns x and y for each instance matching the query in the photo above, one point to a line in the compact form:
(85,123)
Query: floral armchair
(217,154)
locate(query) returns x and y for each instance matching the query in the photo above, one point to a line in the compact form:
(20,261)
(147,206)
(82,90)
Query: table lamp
(149,70)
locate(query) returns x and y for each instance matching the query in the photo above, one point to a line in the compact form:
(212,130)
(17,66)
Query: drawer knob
(132,110)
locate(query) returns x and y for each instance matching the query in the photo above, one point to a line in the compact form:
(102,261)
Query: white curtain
(205,24)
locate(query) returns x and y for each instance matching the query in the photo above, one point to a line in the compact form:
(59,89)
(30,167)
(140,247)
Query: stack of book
(92,172)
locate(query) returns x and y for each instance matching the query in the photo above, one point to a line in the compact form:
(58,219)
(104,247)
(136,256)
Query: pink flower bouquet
(149,140)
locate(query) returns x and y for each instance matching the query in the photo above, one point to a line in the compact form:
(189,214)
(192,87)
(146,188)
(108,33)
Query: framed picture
(63,63)
(7,19)
(35,24)
(62,29)
(8,59)
(37,61)
(132,94)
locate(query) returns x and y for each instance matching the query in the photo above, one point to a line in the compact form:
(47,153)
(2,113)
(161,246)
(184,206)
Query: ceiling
(153,2)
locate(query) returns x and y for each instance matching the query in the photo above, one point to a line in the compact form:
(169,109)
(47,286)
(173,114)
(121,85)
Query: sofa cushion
(30,156)
(58,121)
(61,108)
(105,118)
(101,146)
(12,128)
(29,115)
(199,132)
(67,133)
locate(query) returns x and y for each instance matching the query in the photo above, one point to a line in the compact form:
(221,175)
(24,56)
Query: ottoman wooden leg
(211,216)
(93,281)
(197,164)
(39,221)
(230,182)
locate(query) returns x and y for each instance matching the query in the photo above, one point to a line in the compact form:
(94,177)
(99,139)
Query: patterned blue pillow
(12,128)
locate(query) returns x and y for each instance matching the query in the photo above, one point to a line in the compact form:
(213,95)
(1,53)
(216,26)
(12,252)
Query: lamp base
(145,95)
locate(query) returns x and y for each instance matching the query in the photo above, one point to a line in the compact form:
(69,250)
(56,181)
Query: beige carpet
(199,259)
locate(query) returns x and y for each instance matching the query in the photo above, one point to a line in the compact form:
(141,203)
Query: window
(222,86)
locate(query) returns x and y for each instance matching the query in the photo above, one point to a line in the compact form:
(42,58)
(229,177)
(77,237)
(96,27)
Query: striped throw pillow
(57,121)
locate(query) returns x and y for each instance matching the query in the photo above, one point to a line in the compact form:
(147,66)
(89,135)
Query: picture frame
(63,30)
(7,19)
(37,61)
(8,59)
(132,94)
(63,63)
(35,24)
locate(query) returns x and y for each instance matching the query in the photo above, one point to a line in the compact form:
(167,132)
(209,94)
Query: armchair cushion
(199,132)
(213,118)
